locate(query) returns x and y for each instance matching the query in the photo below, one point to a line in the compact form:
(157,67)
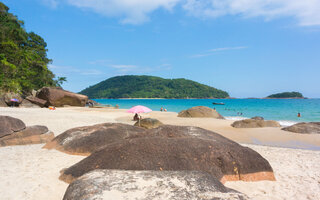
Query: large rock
(305,128)
(3,102)
(59,97)
(146,185)
(200,111)
(29,135)
(252,123)
(9,125)
(185,148)
(257,118)
(149,123)
(28,104)
(36,101)
(88,139)
(8,96)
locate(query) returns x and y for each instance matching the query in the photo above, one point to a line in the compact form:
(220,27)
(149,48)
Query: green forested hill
(151,87)
(286,95)
(23,57)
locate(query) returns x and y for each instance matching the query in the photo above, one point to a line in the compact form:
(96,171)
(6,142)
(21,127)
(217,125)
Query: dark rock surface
(147,185)
(149,123)
(3,102)
(257,118)
(304,128)
(252,123)
(9,125)
(59,97)
(200,111)
(36,101)
(8,96)
(177,148)
(28,104)
(29,135)
(88,139)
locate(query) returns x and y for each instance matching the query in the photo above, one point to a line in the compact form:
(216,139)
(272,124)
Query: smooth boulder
(252,123)
(59,97)
(148,123)
(28,104)
(200,111)
(30,135)
(145,185)
(88,139)
(185,148)
(9,125)
(3,102)
(257,118)
(304,128)
(34,100)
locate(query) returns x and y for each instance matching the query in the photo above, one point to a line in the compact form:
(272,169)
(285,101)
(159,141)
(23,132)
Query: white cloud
(307,12)
(51,3)
(69,70)
(213,51)
(228,48)
(125,68)
(130,11)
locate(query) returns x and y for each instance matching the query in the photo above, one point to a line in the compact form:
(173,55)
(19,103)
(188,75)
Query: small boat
(216,103)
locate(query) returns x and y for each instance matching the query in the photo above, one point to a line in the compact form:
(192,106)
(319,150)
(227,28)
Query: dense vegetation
(23,57)
(151,87)
(286,95)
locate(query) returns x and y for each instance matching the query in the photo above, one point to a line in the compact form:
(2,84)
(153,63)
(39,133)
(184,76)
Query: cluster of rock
(304,128)
(165,155)
(255,122)
(200,111)
(14,132)
(45,97)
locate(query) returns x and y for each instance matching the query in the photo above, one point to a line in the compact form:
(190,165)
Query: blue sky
(250,48)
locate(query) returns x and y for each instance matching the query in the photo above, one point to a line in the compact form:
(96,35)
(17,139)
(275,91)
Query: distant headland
(132,86)
(286,95)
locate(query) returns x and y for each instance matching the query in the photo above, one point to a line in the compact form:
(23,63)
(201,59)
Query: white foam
(235,118)
(286,123)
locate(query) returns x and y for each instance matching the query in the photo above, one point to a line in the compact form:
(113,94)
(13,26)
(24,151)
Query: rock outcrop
(36,101)
(257,118)
(304,128)
(29,135)
(176,148)
(252,123)
(8,96)
(143,185)
(9,125)
(59,97)
(200,111)
(148,123)
(88,139)
(3,102)
(28,104)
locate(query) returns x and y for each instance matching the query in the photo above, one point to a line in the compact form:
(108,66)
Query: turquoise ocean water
(283,110)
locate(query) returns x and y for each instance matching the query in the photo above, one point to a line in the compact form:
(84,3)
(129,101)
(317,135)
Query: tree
(23,57)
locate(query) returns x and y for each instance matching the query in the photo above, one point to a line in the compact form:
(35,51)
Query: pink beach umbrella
(139,109)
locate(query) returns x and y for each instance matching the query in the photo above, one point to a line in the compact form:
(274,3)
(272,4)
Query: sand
(30,172)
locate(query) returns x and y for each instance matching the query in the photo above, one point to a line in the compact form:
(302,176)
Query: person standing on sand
(161,109)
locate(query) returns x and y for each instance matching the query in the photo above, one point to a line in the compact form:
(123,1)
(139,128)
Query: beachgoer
(299,115)
(214,108)
(161,109)
(165,110)
(136,117)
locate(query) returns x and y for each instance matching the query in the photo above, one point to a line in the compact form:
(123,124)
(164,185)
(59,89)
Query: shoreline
(30,172)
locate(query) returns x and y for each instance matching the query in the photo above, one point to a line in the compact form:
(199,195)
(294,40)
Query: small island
(286,95)
(132,86)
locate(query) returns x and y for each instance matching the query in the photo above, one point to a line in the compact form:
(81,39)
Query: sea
(285,111)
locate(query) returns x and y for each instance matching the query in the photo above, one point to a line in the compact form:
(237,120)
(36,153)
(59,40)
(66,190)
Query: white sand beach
(30,172)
